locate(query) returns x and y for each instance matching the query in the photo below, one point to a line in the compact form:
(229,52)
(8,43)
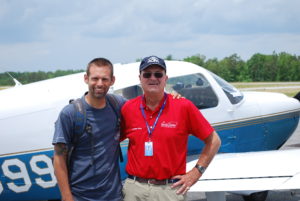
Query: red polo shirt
(179,118)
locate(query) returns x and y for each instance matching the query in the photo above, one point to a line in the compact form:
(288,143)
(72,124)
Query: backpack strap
(80,118)
(80,125)
(115,101)
(116,105)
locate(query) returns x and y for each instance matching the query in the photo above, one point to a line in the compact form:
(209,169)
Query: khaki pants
(136,191)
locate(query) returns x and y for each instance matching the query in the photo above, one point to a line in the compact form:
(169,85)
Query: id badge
(148,149)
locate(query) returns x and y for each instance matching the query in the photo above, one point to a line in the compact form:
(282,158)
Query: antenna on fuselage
(17,83)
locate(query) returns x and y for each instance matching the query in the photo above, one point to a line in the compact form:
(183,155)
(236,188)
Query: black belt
(153,181)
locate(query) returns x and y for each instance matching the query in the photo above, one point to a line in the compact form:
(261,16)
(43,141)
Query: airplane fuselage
(245,122)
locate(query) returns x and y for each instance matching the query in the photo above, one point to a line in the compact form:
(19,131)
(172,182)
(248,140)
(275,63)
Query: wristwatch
(200,168)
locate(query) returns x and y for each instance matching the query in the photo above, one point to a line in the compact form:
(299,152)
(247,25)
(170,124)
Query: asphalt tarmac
(287,195)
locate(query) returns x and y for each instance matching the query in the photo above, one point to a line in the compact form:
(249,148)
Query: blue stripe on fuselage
(259,134)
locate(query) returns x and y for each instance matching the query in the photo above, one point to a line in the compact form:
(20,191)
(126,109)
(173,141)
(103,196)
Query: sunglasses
(156,74)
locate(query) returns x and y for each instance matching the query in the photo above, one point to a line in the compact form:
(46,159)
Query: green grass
(264,84)
(288,91)
(4,87)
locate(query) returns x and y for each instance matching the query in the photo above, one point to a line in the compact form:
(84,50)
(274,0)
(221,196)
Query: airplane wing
(250,171)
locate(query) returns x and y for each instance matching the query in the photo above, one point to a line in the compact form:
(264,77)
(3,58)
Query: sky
(48,35)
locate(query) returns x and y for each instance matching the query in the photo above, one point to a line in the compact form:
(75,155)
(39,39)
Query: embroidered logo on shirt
(170,124)
(134,129)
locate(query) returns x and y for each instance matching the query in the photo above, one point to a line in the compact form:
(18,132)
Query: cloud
(62,34)
(246,17)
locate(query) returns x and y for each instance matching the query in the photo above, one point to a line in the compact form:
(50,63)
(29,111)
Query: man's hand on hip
(186,181)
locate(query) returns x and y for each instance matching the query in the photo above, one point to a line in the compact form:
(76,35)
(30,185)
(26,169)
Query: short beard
(99,95)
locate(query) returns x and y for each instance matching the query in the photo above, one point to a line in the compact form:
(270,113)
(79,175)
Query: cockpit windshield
(233,94)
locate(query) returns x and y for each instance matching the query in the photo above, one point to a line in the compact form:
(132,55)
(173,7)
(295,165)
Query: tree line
(260,67)
(28,77)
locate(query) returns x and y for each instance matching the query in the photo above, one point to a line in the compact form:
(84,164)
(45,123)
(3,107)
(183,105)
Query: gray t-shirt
(94,169)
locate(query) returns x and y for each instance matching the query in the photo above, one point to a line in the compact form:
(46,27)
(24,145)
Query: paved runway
(292,143)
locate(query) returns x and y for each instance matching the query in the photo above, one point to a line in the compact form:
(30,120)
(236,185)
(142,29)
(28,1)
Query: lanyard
(150,131)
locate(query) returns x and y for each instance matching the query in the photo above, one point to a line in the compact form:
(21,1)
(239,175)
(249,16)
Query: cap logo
(153,60)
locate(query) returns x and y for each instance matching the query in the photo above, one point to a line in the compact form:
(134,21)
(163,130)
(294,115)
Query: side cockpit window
(130,92)
(195,88)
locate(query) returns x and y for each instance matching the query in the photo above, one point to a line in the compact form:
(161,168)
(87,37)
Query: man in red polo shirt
(158,127)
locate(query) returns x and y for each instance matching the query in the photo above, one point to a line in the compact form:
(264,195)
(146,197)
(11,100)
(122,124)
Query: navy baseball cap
(152,60)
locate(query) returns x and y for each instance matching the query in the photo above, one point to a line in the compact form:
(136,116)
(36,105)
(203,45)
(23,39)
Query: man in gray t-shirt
(93,173)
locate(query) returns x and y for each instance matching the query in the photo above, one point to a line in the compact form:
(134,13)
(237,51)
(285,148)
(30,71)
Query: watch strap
(200,168)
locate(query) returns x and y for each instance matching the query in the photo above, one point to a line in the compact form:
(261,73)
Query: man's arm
(61,170)
(212,145)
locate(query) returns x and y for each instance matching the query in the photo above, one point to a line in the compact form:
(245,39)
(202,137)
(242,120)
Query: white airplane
(252,126)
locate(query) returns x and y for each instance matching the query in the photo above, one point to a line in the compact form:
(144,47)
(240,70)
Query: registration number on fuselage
(20,173)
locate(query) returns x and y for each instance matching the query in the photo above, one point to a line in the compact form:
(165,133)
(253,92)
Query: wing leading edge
(251,171)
